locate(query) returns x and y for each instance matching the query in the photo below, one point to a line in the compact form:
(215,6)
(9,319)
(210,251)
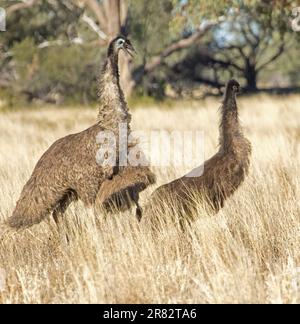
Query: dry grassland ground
(248,253)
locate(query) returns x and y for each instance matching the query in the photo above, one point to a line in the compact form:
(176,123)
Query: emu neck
(230,126)
(113,108)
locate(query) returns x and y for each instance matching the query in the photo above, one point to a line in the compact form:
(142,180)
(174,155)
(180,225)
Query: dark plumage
(222,174)
(121,192)
(68,170)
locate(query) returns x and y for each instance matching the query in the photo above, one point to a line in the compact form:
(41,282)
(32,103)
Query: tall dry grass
(248,253)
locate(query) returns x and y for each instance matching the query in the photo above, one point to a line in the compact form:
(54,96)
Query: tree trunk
(251,77)
(116,11)
(126,78)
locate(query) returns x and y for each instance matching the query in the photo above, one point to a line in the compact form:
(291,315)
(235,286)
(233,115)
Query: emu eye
(120,42)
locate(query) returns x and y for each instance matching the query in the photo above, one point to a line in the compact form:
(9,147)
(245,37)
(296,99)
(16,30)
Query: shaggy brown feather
(121,192)
(68,170)
(222,174)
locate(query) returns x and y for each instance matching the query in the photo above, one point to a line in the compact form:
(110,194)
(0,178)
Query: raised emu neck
(113,107)
(229,126)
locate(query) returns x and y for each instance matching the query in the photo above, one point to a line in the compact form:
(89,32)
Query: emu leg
(139,211)
(62,206)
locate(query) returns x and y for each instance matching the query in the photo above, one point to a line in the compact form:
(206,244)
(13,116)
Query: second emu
(222,174)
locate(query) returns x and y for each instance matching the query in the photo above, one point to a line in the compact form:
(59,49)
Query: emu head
(121,43)
(233,86)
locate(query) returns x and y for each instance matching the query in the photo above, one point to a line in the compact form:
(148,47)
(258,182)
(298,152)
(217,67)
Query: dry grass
(249,252)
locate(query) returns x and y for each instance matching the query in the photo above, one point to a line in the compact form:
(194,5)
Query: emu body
(122,192)
(222,174)
(68,170)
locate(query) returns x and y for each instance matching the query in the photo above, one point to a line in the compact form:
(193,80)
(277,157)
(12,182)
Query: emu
(68,170)
(121,192)
(223,173)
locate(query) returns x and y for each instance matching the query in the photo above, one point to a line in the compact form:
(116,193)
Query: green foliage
(24,53)
(150,26)
(56,73)
(65,71)
(249,38)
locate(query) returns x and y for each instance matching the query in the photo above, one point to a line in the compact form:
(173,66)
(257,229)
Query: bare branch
(247,31)
(94,26)
(123,11)
(59,42)
(113,9)
(273,58)
(240,49)
(264,45)
(96,8)
(213,83)
(48,44)
(180,45)
(22,5)
(225,63)
(106,7)
(256,37)
(99,12)
(229,57)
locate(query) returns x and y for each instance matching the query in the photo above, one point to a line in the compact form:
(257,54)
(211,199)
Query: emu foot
(139,213)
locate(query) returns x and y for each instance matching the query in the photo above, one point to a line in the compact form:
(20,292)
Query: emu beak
(128,48)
